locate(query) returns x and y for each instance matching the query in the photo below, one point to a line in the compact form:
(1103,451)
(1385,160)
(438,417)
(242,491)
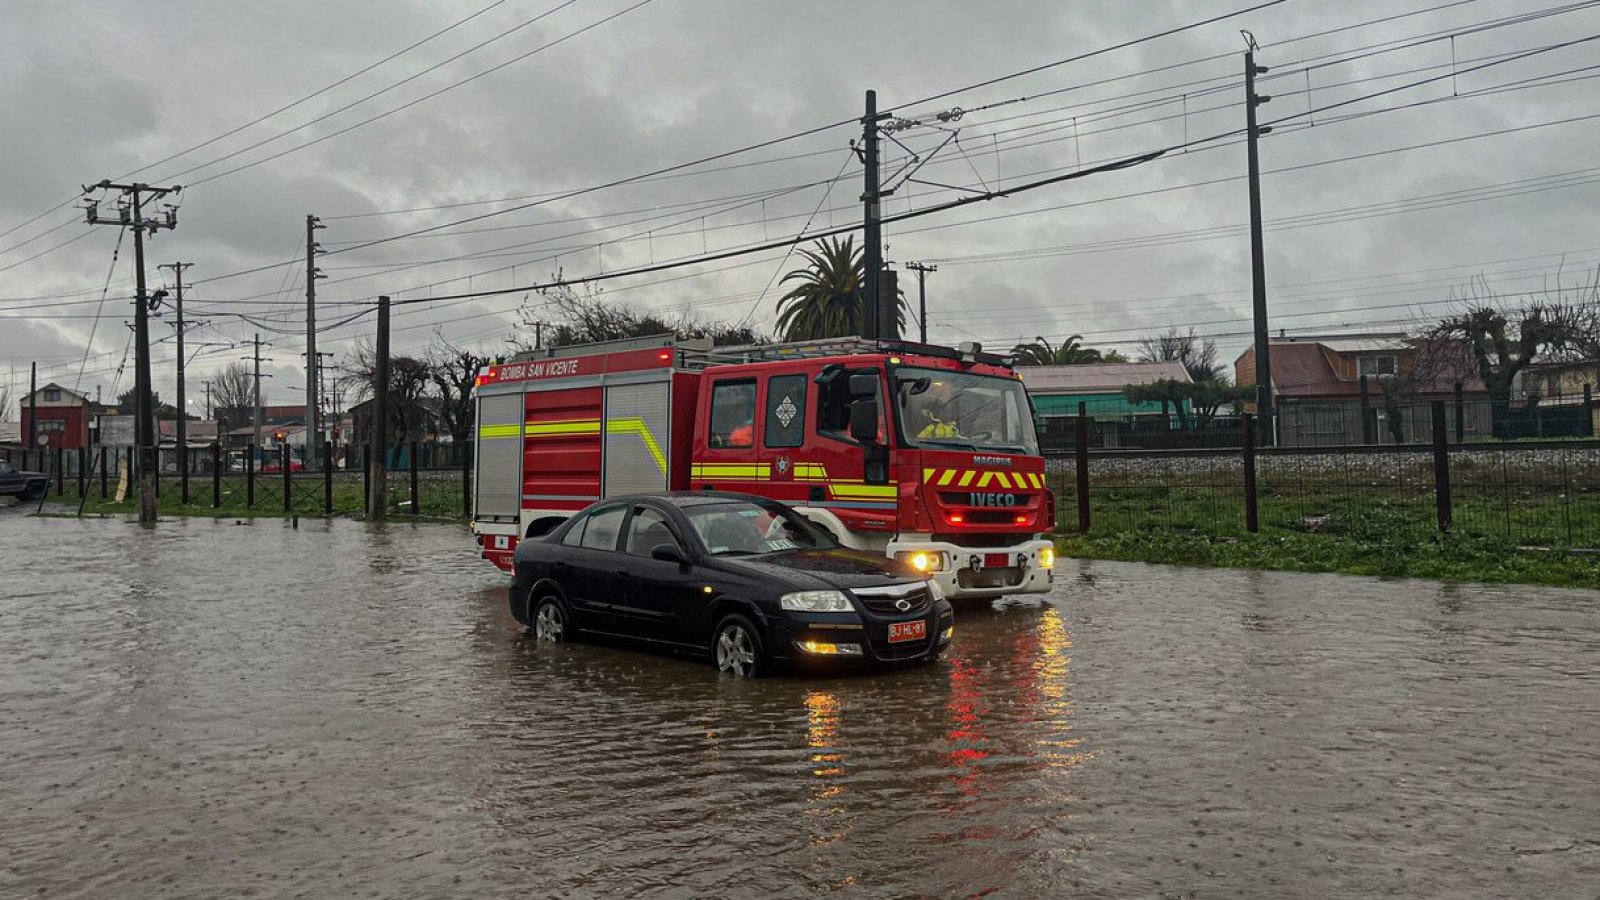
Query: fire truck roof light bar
(843,346)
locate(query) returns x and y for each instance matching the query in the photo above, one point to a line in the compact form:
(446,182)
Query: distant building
(1317,388)
(1101,388)
(62,418)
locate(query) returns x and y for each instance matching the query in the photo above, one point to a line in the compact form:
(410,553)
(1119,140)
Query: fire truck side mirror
(864,420)
(863,384)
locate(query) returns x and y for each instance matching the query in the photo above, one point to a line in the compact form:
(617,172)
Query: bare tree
(233,392)
(1199,357)
(413,412)
(1500,338)
(452,371)
(5,402)
(587,317)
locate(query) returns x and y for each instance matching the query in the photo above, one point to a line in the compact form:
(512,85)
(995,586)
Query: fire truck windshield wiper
(935,442)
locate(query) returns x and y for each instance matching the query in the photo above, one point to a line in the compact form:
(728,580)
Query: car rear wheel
(35,491)
(550,621)
(738,648)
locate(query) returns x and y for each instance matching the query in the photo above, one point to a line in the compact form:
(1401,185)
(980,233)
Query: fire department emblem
(783,465)
(787,411)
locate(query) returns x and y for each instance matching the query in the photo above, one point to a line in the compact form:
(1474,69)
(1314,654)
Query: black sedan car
(744,580)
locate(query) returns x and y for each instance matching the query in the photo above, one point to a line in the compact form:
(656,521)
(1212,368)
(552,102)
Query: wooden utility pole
(255,414)
(872,228)
(378,441)
(1258,266)
(144,407)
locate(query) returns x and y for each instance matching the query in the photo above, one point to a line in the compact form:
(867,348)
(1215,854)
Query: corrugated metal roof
(1098,377)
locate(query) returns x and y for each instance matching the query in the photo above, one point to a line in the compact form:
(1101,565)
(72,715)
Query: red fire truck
(924,453)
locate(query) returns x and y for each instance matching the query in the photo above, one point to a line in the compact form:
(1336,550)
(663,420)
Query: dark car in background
(22,485)
(743,580)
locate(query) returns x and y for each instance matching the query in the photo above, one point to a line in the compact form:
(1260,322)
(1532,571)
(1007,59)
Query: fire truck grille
(895,599)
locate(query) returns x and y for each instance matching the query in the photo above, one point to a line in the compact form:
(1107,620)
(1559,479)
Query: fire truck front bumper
(982,572)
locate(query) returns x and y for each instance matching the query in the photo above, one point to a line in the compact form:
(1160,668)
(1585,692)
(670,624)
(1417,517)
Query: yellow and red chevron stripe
(976,478)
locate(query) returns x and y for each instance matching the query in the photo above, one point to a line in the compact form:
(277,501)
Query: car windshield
(743,528)
(963,411)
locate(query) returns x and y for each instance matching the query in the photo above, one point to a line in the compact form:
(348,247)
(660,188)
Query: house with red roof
(1342,389)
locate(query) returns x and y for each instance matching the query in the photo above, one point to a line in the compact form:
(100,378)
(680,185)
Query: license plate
(996,560)
(900,632)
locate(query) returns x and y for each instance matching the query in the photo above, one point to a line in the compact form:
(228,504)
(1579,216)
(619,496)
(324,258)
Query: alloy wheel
(548,624)
(736,651)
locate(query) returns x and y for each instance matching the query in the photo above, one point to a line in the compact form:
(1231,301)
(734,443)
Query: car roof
(687,499)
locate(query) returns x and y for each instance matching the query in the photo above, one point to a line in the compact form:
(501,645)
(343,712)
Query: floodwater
(247,709)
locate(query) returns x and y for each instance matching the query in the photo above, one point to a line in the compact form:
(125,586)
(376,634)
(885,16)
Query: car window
(741,527)
(646,530)
(600,532)
(5,467)
(574,535)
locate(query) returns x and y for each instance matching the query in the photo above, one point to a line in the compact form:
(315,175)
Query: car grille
(884,600)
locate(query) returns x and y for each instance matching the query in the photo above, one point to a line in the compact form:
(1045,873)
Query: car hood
(823,569)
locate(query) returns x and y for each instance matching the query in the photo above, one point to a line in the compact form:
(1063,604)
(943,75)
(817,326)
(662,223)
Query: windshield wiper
(934,442)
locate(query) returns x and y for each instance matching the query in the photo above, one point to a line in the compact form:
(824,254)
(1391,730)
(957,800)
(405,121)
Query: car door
(10,481)
(660,600)
(586,564)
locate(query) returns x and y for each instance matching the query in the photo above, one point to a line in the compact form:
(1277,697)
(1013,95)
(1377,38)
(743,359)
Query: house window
(1376,366)
(58,425)
(51,395)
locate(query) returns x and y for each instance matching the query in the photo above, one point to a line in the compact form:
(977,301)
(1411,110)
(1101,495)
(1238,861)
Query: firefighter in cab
(939,409)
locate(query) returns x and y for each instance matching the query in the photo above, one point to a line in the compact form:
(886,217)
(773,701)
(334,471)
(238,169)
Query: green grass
(438,497)
(1351,536)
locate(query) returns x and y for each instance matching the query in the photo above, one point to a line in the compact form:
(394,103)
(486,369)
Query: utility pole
(208,401)
(320,433)
(872,234)
(313,428)
(378,499)
(922,270)
(33,404)
(255,417)
(144,411)
(183,408)
(1258,266)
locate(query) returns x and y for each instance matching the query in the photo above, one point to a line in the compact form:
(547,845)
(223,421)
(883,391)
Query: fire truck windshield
(963,411)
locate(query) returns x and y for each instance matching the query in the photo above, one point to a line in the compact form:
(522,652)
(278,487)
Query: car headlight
(815,601)
(922,560)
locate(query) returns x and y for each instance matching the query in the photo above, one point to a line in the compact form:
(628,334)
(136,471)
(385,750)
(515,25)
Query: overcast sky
(568,96)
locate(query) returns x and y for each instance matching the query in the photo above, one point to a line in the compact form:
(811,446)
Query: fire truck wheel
(738,648)
(550,621)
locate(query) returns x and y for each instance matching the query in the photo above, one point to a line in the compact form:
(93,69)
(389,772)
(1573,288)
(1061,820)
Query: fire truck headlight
(815,601)
(922,560)
(1047,558)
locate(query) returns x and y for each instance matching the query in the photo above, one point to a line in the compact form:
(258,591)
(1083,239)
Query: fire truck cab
(927,454)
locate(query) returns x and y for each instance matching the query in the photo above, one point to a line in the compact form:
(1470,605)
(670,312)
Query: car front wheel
(550,621)
(738,648)
(35,491)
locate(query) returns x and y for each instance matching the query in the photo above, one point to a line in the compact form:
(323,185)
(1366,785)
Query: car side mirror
(669,553)
(864,421)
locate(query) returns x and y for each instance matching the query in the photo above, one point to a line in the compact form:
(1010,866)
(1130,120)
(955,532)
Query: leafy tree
(128,405)
(1202,400)
(1199,357)
(829,299)
(1072,352)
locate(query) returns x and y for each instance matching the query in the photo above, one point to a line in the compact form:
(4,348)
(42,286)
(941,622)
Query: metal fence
(1543,493)
(422,479)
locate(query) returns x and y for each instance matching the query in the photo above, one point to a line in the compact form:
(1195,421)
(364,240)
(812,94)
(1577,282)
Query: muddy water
(210,710)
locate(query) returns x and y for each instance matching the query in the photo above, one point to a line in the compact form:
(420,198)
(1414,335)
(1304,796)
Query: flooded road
(219,709)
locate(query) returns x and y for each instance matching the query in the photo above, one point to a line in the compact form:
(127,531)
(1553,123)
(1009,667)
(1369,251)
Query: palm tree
(829,299)
(1041,353)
